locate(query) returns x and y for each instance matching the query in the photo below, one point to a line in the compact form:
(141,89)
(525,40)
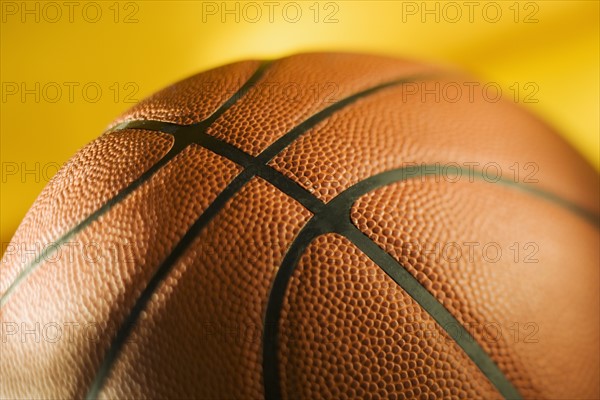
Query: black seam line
(161,273)
(254,166)
(335,217)
(176,148)
(434,308)
(270,339)
(173,151)
(333,222)
(280,144)
(240,157)
(307,199)
(165,268)
(345,199)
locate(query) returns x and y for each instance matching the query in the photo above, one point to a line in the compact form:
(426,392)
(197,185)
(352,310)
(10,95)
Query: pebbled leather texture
(345,321)
(523,276)
(159,261)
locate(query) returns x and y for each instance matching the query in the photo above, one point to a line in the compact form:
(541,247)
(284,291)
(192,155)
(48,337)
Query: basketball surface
(321,226)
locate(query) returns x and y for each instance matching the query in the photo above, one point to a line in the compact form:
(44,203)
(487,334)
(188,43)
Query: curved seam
(122,194)
(428,302)
(392,176)
(189,131)
(344,202)
(176,148)
(336,222)
(161,273)
(253,166)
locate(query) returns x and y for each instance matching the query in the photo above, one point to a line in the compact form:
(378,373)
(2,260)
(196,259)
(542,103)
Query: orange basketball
(331,226)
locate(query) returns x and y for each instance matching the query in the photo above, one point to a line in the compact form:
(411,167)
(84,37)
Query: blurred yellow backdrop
(68,68)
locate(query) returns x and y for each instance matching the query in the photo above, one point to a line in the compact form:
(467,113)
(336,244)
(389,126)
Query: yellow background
(168,40)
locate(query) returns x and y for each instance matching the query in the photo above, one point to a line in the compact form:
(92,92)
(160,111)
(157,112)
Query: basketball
(325,225)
